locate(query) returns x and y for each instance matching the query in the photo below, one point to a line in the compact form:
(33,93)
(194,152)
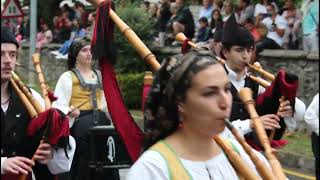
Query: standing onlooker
(206,9)
(227,10)
(310,25)
(204,31)
(293,31)
(311,117)
(246,10)
(184,20)
(276,26)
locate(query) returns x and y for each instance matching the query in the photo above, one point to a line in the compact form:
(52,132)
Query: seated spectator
(227,10)
(80,13)
(44,37)
(249,24)
(77,32)
(169,30)
(293,17)
(91,22)
(163,19)
(310,25)
(62,27)
(145,5)
(216,21)
(203,31)
(245,11)
(260,8)
(184,20)
(206,9)
(216,44)
(67,5)
(276,26)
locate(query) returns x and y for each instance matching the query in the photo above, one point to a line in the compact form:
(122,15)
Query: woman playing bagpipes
(80,94)
(185,109)
(21,154)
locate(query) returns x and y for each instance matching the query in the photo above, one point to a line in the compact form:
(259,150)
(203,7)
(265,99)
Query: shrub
(128,60)
(131,85)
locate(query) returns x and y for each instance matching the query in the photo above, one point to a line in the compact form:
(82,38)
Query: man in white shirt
(237,49)
(276,26)
(312,119)
(16,147)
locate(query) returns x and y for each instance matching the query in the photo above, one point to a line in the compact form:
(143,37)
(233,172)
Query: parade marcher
(311,117)
(79,92)
(185,109)
(17,148)
(238,44)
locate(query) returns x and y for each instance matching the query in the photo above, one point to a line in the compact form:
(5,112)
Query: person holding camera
(276,26)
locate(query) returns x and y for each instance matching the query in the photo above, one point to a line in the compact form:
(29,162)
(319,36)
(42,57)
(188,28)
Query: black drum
(107,150)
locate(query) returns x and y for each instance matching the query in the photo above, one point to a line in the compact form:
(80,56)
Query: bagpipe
(124,123)
(49,122)
(279,88)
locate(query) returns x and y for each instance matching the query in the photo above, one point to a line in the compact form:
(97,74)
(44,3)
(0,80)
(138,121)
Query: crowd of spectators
(273,26)
(71,21)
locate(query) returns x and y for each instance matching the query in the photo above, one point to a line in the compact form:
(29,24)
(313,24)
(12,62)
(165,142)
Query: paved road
(292,174)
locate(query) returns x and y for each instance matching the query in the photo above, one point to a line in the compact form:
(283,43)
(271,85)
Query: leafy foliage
(131,86)
(128,59)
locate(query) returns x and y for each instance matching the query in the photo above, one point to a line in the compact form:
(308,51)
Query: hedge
(131,85)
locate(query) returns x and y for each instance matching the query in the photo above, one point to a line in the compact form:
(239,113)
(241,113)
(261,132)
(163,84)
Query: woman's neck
(192,145)
(83,68)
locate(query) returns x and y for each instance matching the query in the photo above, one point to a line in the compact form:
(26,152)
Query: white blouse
(151,165)
(63,92)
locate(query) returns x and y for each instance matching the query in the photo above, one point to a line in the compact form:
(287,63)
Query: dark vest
(14,141)
(238,109)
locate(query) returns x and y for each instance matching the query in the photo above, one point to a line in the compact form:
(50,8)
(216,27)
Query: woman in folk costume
(80,94)
(185,109)
(237,49)
(17,145)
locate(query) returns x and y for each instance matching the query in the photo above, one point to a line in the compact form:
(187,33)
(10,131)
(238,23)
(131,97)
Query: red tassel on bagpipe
(185,46)
(286,85)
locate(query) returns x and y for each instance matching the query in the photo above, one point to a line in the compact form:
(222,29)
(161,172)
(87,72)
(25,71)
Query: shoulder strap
(175,167)
(99,78)
(79,76)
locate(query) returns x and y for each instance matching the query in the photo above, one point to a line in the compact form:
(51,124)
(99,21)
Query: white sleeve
(150,165)
(60,163)
(104,105)
(311,116)
(63,92)
(243,126)
(300,109)
(281,23)
(2,161)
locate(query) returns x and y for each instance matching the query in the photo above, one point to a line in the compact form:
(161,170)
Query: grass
(299,144)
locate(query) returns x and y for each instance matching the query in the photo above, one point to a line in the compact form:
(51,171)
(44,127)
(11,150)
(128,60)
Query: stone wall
(301,63)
